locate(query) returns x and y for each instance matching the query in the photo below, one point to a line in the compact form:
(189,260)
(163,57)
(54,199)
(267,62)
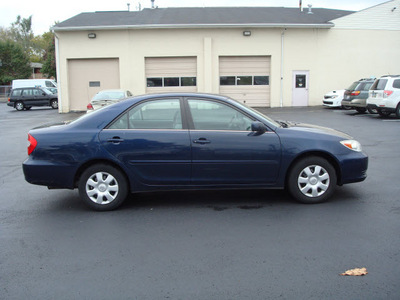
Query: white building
(264,56)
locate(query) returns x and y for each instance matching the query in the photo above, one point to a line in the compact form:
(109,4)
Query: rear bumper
(355,103)
(388,109)
(47,174)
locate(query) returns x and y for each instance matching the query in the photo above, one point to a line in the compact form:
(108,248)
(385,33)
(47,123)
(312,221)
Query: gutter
(190,26)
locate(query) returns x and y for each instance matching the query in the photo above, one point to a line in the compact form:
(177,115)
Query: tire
(361,110)
(19,106)
(54,104)
(398,111)
(383,113)
(372,110)
(312,180)
(103,187)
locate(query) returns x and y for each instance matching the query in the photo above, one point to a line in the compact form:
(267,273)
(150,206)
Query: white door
(300,88)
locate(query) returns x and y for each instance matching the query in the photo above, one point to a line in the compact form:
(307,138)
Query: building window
(154,82)
(188,81)
(171,81)
(244,80)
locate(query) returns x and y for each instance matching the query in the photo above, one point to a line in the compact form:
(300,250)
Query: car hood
(304,127)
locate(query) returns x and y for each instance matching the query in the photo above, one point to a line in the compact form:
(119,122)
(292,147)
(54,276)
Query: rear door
(150,141)
(225,150)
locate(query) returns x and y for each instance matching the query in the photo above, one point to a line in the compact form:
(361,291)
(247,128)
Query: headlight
(352,145)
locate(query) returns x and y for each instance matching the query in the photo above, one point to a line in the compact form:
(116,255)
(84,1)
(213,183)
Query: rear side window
(396,84)
(16,93)
(380,84)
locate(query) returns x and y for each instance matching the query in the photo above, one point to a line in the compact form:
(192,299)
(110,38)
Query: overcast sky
(46,12)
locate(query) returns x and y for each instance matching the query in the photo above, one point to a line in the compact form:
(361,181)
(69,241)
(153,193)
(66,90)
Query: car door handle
(201,141)
(115,140)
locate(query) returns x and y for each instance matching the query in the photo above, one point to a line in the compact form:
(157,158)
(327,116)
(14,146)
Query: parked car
(24,83)
(334,99)
(25,98)
(356,95)
(384,95)
(178,141)
(107,97)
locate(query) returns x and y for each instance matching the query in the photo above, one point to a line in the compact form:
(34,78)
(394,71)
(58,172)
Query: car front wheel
(312,180)
(103,187)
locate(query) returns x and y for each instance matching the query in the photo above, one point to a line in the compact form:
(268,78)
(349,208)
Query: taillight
(355,93)
(387,93)
(89,106)
(32,144)
(9,100)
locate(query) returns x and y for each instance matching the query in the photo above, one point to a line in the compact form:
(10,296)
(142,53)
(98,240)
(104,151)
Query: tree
(49,57)
(14,62)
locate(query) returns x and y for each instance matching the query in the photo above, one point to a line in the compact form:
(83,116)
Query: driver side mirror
(258,127)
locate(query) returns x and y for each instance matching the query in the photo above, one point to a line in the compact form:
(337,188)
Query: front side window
(211,115)
(154,114)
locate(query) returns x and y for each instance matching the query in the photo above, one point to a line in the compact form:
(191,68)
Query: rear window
(352,87)
(363,86)
(379,84)
(396,84)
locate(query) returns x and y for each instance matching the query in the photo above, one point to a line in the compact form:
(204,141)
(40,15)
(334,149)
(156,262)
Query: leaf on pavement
(355,272)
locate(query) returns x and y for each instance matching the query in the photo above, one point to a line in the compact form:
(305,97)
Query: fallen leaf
(355,272)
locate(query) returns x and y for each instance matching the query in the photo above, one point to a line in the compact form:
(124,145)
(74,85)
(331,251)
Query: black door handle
(201,141)
(115,140)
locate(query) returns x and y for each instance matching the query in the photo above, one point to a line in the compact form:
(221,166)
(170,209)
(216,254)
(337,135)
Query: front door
(300,88)
(226,151)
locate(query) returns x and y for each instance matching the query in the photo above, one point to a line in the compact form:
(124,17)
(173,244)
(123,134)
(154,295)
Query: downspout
(282,44)
(58,72)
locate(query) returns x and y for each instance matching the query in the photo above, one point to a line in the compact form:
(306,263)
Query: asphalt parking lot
(203,245)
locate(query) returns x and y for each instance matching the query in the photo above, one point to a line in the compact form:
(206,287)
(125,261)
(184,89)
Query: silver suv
(384,95)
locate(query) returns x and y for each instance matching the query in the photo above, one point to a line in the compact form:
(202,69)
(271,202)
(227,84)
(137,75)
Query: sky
(46,12)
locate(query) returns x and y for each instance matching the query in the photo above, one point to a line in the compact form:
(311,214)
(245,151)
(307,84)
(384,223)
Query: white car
(107,97)
(384,95)
(334,98)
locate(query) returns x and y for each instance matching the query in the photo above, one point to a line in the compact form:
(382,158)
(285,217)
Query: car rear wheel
(361,110)
(383,113)
(19,106)
(103,187)
(54,104)
(312,180)
(398,111)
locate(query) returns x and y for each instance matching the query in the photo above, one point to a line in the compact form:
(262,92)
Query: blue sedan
(189,141)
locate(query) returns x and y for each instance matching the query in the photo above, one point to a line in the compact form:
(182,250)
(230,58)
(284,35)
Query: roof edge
(188,26)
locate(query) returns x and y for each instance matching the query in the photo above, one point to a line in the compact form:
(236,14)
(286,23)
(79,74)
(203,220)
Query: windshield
(109,95)
(47,91)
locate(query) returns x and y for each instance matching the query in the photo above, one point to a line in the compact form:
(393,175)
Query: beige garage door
(88,76)
(246,79)
(171,74)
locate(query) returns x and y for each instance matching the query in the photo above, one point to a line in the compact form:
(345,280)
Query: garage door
(246,79)
(171,74)
(87,77)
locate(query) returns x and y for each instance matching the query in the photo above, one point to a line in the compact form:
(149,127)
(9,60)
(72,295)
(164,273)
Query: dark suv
(356,95)
(25,98)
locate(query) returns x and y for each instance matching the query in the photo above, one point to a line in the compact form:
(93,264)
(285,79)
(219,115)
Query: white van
(22,83)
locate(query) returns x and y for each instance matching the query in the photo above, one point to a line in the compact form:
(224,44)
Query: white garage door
(171,74)
(87,77)
(246,79)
